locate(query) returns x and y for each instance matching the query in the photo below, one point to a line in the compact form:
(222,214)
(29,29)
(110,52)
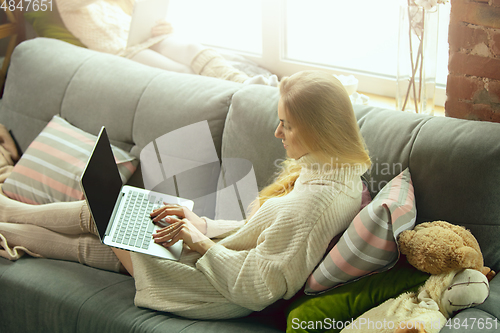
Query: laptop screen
(101,182)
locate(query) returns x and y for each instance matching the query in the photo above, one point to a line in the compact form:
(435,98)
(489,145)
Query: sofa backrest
(455,164)
(91,89)
(455,168)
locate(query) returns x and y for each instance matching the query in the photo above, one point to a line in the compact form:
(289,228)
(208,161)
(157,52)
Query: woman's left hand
(162,28)
(185,230)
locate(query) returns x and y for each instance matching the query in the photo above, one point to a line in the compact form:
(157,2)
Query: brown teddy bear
(452,255)
(440,247)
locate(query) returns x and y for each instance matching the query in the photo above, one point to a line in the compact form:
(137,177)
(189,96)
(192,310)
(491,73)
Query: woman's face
(288,135)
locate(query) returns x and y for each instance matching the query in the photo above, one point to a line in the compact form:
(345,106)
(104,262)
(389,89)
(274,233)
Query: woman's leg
(199,59)
(155,59)
(71,218)
(179,49)
(62,231)
(86,248)
(202,60)
(125,260)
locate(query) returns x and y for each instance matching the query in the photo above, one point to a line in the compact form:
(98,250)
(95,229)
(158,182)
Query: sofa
(454,165)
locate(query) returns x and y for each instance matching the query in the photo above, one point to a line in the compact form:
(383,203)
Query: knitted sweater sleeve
(100,25)
(221,228)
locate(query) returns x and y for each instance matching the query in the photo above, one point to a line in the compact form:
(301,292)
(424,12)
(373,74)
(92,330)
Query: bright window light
(230,24)
(357,35)
(282,35)
(344,34)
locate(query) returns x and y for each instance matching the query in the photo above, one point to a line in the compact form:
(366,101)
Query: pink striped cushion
(369,243)
(50,169)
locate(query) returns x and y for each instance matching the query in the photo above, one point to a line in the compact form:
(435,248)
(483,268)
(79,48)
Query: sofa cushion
(50,169)
(45,296)
(369,243)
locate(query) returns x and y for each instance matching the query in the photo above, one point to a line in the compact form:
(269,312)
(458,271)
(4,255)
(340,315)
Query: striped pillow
(369,243)
(50,169)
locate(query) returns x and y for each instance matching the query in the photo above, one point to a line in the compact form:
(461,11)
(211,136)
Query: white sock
(261,79)
(273,81)
(258,79)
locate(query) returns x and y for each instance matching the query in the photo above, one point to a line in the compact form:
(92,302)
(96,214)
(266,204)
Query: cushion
(50,169)
(369,243)
(349,301)
(49,24)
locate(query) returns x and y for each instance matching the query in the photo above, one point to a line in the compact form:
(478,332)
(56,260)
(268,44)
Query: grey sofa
(455,167)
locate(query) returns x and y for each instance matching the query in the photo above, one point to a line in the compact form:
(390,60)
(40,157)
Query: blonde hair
(320,109)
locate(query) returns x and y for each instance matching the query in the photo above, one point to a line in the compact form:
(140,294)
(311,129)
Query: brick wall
(473,88)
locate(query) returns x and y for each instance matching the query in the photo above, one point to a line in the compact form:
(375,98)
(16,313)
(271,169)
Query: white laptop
(146,15)
(121,213)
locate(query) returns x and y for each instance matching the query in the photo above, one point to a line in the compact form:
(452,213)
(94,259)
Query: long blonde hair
(321,111)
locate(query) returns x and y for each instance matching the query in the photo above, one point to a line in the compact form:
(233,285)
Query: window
(229,24)
(286,36)
(346,35)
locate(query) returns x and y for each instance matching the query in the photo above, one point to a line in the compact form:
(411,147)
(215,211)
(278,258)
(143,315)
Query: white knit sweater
(268,258)
(102,25)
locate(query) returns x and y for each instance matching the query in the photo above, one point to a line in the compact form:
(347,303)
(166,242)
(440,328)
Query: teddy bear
(429,309)
(459,280)
(440,247)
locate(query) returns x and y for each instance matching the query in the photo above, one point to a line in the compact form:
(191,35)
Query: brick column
(473,88)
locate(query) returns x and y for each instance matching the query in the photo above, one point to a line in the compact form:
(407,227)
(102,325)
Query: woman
(103,25)
(267,257)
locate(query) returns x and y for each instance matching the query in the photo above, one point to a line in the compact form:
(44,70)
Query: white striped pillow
(50,169)
(369,244)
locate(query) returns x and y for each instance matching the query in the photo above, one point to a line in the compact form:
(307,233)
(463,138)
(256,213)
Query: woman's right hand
(182,212)
(162,28)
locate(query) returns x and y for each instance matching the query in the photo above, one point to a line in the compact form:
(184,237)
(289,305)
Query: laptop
(145,16)
(121,213)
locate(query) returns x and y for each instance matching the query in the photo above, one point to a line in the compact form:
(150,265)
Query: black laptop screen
(101,182)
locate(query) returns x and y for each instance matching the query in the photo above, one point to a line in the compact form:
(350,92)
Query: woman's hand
(185,230)
(162,28)
(180,211)
(7,142)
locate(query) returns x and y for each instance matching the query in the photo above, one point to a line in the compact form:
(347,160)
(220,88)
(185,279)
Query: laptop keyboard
(135,227)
